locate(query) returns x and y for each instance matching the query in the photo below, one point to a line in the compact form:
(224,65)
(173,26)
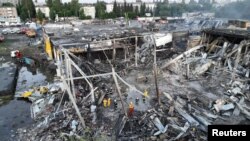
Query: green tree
(164,10)
(157,9)
(82,15)
(132,15)
(52,14)
(142,9)
(136,10)
(125,6)
(40,15)
(19,7)
(57,7)
(131,9)
(26,9)
(24,14)
(74,7)
(7,4)
(100,9)
(119,11)
(66,9)
(49,3)
(115,10)
(110,15)
(88,17)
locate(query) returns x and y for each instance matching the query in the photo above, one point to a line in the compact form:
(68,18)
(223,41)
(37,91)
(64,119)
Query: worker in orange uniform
(131,109)
(105,102)
(109,102)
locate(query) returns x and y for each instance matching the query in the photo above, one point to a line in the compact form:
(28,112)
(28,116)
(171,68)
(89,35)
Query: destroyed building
(177,81)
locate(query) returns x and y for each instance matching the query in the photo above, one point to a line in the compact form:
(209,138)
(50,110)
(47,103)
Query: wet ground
(15,113)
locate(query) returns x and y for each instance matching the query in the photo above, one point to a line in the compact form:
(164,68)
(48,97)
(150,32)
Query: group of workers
(107,103)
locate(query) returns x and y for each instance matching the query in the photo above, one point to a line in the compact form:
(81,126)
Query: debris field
(130,84)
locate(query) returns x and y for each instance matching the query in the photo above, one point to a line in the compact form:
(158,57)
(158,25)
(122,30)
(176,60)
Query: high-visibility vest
(109,102)
(145,93)
(105,102)
(131,105)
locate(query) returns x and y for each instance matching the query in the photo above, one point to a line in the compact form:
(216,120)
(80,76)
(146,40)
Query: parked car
(19,24)
(6,31)
(12,24)
(12,31)
(31,33)
(1,38)
(16,30)
(24,30)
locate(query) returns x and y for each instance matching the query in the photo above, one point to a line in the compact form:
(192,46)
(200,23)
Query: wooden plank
(181,56)
(118,90)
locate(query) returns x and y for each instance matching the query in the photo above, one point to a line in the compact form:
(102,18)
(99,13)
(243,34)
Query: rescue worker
(110,90)
(115,104)
(43,90)
(144,99)
(145,94)
(109,102)
(131,109)
(103,86)
(126,96)
(105,101)
(137,100)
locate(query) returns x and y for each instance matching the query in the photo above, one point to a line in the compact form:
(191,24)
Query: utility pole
(155,72)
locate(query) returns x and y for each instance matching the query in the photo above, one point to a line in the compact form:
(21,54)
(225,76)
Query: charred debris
(177,82)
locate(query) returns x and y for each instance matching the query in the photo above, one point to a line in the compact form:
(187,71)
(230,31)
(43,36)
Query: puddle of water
(29,78)
(16,113)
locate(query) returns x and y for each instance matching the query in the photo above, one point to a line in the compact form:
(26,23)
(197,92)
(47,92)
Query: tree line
(26,9)
(71,9)
(120,10)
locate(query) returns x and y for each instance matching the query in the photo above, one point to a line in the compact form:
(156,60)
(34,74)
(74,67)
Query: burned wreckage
(139,86)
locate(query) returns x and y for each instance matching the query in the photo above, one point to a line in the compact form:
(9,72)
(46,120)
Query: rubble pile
(223,68)
(206,84)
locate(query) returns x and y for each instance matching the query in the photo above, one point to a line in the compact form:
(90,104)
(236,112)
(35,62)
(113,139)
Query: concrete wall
(109,7)
(89,11)
(9,14)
